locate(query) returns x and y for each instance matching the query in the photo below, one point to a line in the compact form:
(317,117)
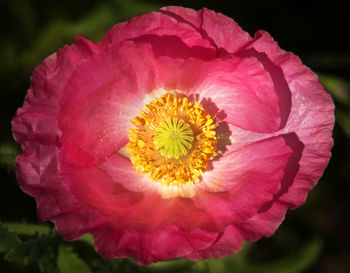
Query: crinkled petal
(224,34)
(35,127)
(182,33)
(274,136)
(308,132)
(167,35)
(263,224)
(270,215)
(37,174)
(222,85)
(77,221)
(164,244)
(102,96)
(138,207)
(227,242)
(311,117)
(240,183)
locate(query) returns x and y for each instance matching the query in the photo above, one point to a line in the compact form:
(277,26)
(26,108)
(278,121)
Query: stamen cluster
(172,141)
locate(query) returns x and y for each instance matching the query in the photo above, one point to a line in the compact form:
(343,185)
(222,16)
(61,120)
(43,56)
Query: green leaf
(41,229)
(28,229)
(236,262)
(87,238)
(338,87)
(8,240)
(47,263)
(296,262)
(32,250)
(8,153)
(69,262)
(40,250)
(340,91)
(178,265)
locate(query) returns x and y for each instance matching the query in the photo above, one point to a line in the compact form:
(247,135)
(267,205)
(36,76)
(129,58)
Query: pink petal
(222,85)
(227,242)
(76,113)
(141,209)
(36,119)
(35,127)
(240,183)
(72,224)
(308,130)
(182,33)
(157,28)
(37,175)
(102,96)
(311,117)
(164,244)
(224,34)
(271,214)
(137,207)
(263,224)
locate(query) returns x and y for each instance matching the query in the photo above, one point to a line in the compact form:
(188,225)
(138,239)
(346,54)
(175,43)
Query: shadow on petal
(172,46)
(281,86)
(223,133)
(219,52)
(290,170)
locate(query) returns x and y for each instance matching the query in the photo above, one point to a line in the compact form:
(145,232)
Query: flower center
(173,140)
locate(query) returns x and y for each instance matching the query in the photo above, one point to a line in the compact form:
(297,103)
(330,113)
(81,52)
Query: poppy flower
(177,135)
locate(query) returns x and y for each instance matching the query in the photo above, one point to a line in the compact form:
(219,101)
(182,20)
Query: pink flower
(233,131)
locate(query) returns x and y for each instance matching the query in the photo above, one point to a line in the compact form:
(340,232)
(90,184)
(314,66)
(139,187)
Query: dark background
(316,31)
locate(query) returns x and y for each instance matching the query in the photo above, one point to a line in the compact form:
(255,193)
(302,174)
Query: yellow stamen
(173,140)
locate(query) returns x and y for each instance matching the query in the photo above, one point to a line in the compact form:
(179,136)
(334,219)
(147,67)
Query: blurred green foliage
(8,153)
(340,91)
(312,239)
(41,248)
